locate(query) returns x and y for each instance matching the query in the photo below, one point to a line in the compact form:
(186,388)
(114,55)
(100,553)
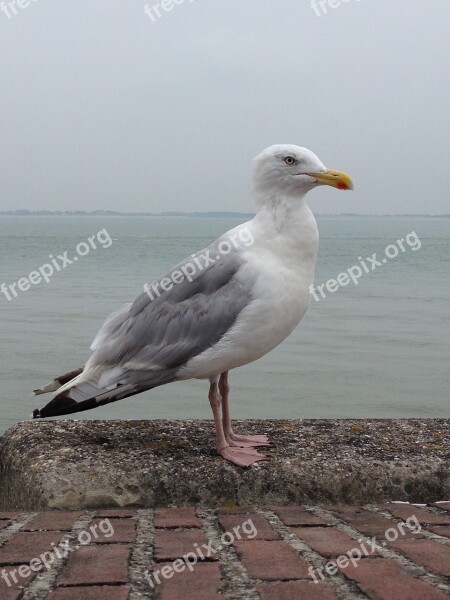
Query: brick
(53,521)
(263,529)
(444,531)
(96,564)
(23,547)
(271,560)
(432,555)
(328,542)
(124,531)
(98,592)
(14,590)
(174,543)
(116,513)
(368,523)
(295,591)
(177,517)
(203,583)
(405,511)
(236,510)
(443,505)
(384,579)
(297,515)
(8,515)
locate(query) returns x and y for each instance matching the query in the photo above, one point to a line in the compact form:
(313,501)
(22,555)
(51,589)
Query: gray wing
(145,343)
(163,332)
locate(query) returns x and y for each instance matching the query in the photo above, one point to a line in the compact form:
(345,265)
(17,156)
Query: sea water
(376,345)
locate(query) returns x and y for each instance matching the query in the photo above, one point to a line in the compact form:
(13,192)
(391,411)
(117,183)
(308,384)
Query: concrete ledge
(86,464)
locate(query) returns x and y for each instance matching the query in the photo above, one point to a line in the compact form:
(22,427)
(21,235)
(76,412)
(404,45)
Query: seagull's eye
(289,160)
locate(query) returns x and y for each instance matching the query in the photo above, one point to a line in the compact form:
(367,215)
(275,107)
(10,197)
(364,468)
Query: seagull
(221,308)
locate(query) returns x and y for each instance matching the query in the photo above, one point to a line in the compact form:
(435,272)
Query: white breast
(284,261)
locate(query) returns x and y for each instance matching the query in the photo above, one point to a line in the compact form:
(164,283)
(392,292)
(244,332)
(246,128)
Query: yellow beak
(336,179)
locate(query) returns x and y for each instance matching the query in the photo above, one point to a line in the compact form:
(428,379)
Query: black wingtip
(59,405)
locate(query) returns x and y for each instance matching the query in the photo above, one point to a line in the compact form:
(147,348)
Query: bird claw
(242,457)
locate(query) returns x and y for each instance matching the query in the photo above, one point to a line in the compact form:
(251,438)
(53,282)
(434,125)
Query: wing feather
(165,331)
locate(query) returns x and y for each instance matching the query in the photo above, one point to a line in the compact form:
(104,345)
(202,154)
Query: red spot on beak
(342,186)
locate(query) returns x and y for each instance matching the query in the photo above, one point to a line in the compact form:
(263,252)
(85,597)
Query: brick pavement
(381,552)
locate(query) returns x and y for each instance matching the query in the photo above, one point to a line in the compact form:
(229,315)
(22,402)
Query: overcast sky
(103,108)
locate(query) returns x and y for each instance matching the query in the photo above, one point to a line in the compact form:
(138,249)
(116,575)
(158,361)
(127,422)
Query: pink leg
(243,457)
(246,441)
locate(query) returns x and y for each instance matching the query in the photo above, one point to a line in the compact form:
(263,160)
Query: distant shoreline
(193,215)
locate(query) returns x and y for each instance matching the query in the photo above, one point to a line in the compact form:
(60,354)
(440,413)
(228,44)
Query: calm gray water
(378,349)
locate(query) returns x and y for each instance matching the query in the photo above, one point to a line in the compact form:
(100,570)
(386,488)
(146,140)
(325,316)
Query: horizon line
(217,214)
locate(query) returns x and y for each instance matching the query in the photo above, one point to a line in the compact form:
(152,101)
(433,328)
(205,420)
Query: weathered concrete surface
(86,464)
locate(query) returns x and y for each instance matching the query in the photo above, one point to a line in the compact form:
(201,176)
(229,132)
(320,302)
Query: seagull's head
(289,170)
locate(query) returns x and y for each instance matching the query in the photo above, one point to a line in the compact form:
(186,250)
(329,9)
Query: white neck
(287,228)
(286,216)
